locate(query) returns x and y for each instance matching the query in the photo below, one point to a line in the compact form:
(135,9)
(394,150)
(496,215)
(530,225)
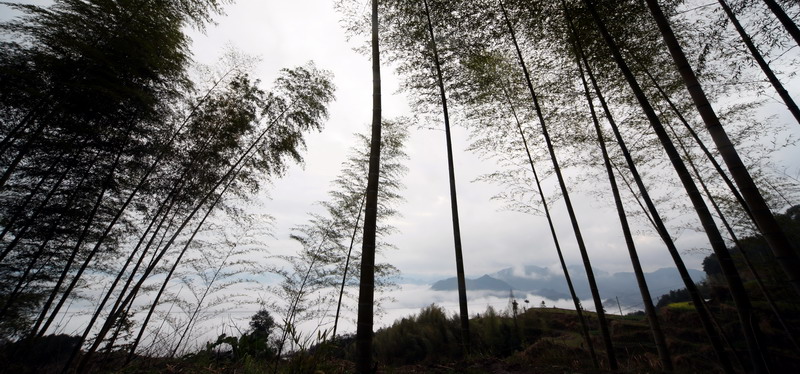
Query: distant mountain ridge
(541,281)
(484,283)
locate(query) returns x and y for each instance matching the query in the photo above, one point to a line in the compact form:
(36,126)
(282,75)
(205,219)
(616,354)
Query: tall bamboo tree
(746,318)
(575,300)
(655,218)
(731,233)
(605,333)
(647,300)
(274,124)
(786,256)
(366,294)
(462,284)
(773,79)
(346,205)
(90,70)
(785,20)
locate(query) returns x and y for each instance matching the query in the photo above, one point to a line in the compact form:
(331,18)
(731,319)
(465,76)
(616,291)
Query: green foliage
(429,336)
(433,337)
(549,338)
(673,296)
(320,276)
(500,334)
(760,255)
(262,323)
(255,344)
(256,351)
(107,145)
(88,90)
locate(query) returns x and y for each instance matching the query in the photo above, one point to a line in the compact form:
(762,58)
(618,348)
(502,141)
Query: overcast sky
(290,33)
(287,34)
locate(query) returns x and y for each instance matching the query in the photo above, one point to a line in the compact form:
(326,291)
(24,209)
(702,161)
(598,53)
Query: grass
(684,305)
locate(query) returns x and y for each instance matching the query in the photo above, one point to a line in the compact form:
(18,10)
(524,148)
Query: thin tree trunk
(773,79)
(200,302)
(22,208)
(119,276)
(778,192)
(744,309)
(43,204)
(106,185)
(24,149)
(655,217)
(101,334)
(116,309)
(785,20)
(54,292)
(578,309)
(112,340)
(366,292)
(175,266)
(462,284)
(773,233)
(36,256)
(347,266)
(647,299)
(288,323)
(737,244)
(701,144)
(633,193)
(598,303)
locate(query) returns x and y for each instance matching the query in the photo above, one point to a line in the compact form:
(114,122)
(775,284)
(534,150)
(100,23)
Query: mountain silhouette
(552,285)
(484,283)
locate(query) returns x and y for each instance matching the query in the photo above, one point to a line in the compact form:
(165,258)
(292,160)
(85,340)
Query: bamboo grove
(124,163)
(117,156)
(529,78)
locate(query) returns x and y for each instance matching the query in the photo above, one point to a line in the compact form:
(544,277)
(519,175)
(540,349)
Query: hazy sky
(290,33)
(287,34)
